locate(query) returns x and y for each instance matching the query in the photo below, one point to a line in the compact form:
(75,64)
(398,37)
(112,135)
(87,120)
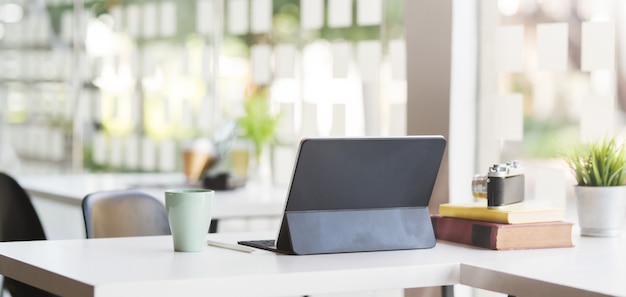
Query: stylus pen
(230,246)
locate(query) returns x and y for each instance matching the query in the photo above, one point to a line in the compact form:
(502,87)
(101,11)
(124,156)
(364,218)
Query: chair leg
(213,226)
(447,291)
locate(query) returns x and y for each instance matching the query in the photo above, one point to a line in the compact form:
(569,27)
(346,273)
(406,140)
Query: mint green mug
(189,215)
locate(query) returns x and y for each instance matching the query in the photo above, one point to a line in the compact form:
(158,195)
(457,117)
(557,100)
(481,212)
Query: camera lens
(479,186)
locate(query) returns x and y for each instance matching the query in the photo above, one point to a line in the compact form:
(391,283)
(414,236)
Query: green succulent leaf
(599,163)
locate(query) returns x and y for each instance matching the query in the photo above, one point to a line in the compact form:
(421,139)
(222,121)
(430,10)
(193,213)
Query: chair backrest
(18,221)
(18,218)
(121,213)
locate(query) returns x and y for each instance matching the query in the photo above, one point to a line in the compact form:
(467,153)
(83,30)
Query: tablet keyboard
(261,244)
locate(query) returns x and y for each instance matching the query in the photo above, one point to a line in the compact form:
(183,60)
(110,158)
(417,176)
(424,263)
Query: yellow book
(519,213)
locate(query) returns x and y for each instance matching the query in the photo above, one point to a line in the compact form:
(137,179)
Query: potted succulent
(600,171)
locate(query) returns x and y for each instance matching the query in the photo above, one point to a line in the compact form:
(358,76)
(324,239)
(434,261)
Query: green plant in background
(259,123)
(599,163)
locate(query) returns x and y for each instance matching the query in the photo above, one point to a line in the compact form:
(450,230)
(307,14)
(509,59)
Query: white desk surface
(148,266)
(253,200)
(594,267)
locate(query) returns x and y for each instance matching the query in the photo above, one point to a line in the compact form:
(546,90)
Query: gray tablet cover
(361,194)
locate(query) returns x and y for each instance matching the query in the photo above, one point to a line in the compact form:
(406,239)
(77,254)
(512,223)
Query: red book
(499,236)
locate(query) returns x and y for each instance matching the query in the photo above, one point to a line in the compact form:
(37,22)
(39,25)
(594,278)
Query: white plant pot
(601,210)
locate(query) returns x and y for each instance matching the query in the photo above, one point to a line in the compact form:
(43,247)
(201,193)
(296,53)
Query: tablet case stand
(337,231)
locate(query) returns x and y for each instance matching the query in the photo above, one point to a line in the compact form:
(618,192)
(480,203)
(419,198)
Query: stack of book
(510,227)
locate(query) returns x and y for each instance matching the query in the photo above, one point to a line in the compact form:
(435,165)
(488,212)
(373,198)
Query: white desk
(594,267)
(58,198)
(148,267)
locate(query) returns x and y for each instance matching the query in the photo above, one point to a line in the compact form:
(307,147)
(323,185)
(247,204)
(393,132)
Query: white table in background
(58,198)
(148,266)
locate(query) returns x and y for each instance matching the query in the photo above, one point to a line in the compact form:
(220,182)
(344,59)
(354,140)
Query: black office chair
(121,213)
(18,221)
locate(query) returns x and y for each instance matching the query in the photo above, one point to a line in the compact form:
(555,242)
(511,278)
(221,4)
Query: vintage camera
(502,185)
